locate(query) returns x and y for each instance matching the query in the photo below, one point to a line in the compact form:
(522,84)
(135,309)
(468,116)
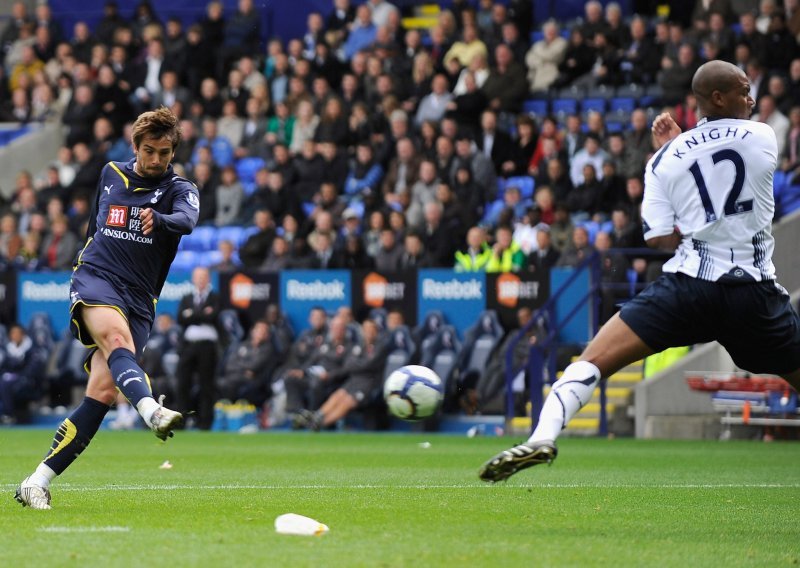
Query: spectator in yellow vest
(507,256)
(477,255)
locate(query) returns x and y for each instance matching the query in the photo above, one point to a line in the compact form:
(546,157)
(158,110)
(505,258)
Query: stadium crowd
(489,142)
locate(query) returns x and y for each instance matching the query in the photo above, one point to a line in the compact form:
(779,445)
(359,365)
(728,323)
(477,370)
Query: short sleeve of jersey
(658,215)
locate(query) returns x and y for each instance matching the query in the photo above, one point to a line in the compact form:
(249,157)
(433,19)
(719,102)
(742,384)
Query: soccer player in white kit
(708,197)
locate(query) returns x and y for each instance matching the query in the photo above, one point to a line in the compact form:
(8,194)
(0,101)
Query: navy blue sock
(75,433)
(128,375)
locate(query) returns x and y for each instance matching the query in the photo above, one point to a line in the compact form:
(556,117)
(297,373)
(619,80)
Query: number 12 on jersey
(732,206)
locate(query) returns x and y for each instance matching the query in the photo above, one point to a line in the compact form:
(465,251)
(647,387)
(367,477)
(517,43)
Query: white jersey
(714,184)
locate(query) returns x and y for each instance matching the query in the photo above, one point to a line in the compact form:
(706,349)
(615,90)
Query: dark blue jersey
(115,240)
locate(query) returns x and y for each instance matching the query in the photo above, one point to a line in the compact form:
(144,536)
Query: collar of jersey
(132,174)
(705,119)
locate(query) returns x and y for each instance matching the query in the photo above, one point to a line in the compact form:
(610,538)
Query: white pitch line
(84,529)
(229,487)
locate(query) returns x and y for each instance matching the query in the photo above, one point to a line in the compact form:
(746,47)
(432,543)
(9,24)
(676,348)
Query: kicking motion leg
(113,336)
(615,346)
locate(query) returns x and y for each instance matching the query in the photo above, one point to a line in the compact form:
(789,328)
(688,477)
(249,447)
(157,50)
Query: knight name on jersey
(700,137)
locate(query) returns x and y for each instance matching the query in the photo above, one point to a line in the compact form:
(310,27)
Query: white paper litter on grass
(292,523)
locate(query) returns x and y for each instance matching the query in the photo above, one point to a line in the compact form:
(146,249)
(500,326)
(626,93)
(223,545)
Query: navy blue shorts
(90,287)
(754,322)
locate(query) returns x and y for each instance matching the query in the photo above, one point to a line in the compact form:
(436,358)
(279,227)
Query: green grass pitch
(390,501)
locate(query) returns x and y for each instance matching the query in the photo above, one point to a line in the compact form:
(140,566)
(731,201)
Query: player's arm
(185,212)
(658,215)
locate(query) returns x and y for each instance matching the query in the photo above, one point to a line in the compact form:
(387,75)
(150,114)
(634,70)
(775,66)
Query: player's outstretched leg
(163,420)
(568,395)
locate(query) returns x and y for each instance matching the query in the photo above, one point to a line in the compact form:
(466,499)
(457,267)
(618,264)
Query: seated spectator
(354,255)
(363,180)
(333,123)
(325,255)
(468,104)
(433,106)
(790,161)
(545,256)
(579,250)
(505,88)
(254,250)
(362,33)
(248,370)
(221,148)
(229,198)
(465,50)
(21,371)
(358,377)
(60,246)
(305,126)
(422,192)
(507,256)
(476,256)
(372,236)
(676,79)
(481,167)
(511,208)
(279,256)
(769,114)
(526,229)
(308,386)
(387,258)
(29,256)
(310,168)
(10,238)
(586,199)
(544,57)
(228,262)
(230,125)
(578,60)
(591,154)
(414,254)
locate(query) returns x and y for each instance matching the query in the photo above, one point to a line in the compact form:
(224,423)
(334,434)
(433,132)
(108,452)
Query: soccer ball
(413,392)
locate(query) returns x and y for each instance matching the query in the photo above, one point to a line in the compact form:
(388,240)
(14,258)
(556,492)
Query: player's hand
(664,129)
(148,221)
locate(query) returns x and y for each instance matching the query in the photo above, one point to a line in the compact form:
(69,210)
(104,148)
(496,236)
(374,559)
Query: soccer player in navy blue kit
(708,197)
(141,210)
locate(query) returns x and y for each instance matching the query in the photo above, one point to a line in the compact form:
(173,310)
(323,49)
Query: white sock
(569,394)
(43,476)
(146,407)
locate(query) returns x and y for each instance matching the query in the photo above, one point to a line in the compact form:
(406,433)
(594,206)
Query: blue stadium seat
(210,258)
(427,328)
(571,92)
(625,104)
(400,351)
(652,96)
(592,227)
(186,260)
(441,353)
(601,92)
(479,342)
(535,36)
(593,104)
(564,107)
(536,107)
(201,239)
(614,126)
(233,234)
(246,169)
(526,185)
(633,91)
(308,208)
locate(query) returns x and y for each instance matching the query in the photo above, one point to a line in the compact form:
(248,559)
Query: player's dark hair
(157,124)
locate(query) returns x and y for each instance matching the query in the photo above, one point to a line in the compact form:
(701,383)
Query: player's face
(153,156)
(738,101)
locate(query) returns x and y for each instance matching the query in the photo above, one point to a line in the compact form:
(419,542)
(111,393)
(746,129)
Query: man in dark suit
(493,143)
(198,313)
(546,256)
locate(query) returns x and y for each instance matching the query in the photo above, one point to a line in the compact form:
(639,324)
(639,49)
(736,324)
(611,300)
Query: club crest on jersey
(193,200)
(156,195)
(117,216)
